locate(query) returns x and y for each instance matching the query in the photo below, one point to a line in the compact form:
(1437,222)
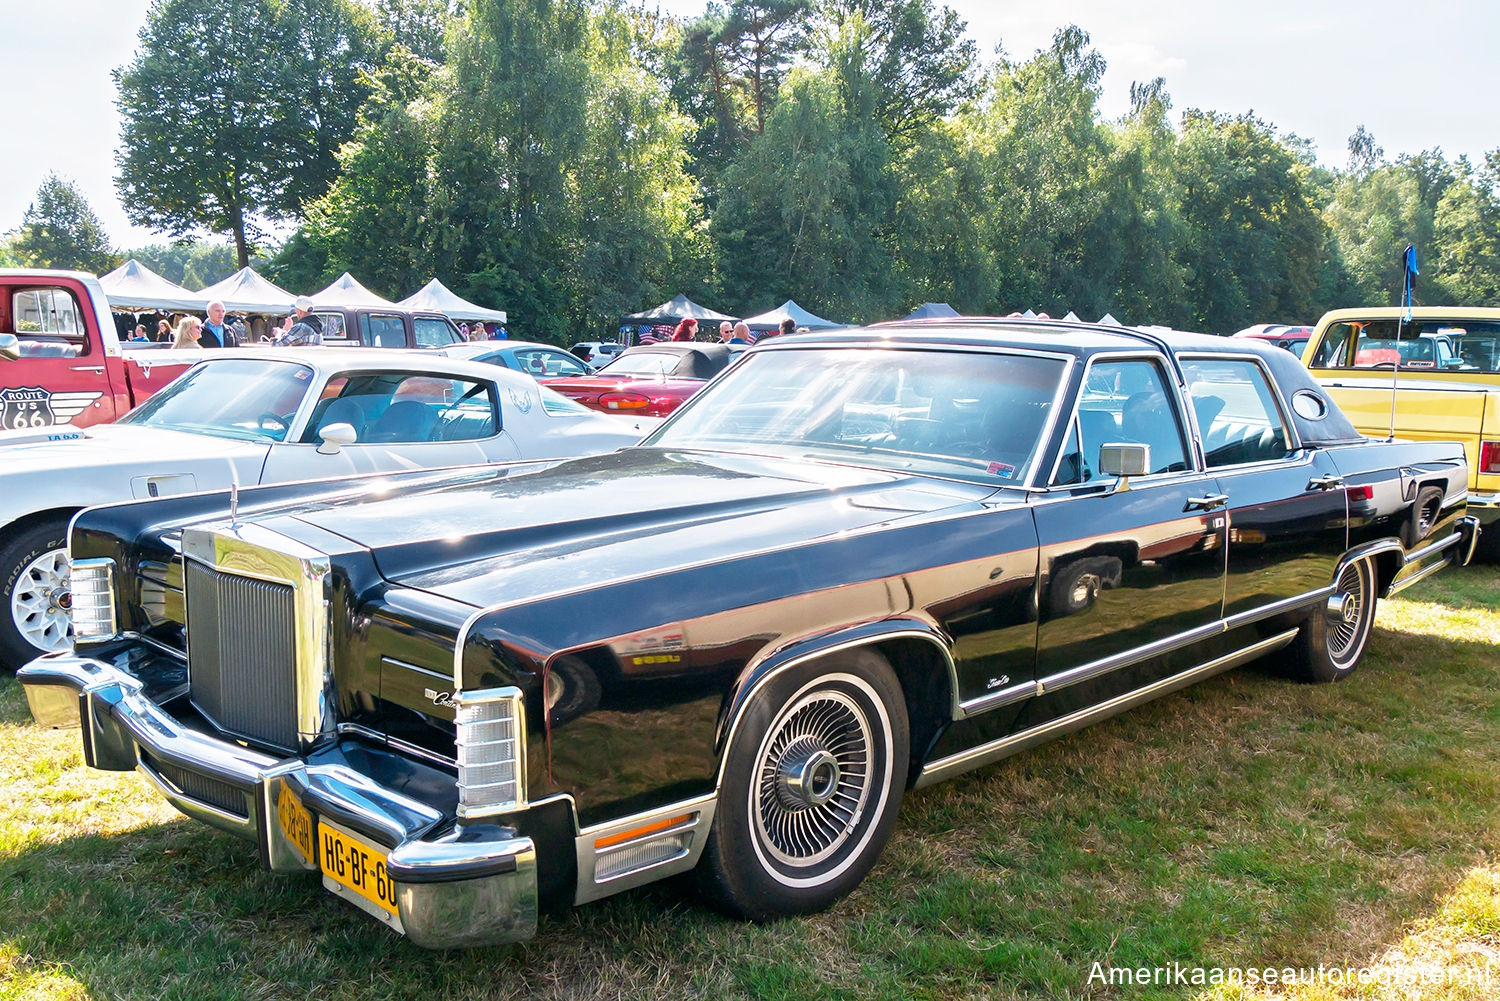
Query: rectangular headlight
(93,586)
(491,752)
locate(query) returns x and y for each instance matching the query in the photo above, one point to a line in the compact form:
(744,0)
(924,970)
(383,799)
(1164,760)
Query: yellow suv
(1446,369)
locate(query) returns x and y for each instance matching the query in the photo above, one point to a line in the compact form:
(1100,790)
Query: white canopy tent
(771,318)
(346,291)
(436,296)
(245,291)
(134,286)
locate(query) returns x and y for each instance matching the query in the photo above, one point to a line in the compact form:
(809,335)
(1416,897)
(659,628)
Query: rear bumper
(1485,507)
(454,888)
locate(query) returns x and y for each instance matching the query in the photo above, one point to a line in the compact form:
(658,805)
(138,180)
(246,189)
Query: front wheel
(1334,636)
(38,599)
(813,778)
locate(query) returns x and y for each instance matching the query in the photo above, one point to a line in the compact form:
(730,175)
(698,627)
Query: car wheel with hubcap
(1334,636)
(38,599)
(813,777)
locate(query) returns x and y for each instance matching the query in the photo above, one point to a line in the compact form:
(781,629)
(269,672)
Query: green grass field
(1247,822)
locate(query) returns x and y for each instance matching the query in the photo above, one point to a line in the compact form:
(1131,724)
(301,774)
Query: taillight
(1489,457)
(624,401)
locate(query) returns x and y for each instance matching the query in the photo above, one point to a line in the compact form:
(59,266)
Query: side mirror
(1124,460)
(10,347)
(336,436)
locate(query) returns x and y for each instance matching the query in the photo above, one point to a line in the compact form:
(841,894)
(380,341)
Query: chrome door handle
(96,369)
(1330,482)
(1207,503)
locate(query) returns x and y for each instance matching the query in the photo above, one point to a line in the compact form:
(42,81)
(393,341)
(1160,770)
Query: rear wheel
(812,781)
(38,615)
(1334,636)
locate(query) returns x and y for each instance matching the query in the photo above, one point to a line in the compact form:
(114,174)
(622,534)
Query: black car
(857,563)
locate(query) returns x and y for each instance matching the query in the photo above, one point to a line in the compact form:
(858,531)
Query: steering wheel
(1384,364)
(270,422)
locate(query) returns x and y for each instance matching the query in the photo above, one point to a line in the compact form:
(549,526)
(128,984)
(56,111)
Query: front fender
(773,662)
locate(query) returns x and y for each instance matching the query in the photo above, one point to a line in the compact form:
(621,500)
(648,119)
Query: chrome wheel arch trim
(759,673)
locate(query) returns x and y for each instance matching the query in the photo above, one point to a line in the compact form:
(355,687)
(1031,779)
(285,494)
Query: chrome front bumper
(471,888)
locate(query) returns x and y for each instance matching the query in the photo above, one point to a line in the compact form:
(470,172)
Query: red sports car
(647,381)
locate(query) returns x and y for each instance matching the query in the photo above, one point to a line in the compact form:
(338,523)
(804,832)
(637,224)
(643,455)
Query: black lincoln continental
(855,564)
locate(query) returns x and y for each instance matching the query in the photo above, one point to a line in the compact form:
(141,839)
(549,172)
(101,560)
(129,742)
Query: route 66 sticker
(24,407)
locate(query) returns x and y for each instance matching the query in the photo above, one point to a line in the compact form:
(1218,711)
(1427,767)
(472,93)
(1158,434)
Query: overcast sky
(1416,75)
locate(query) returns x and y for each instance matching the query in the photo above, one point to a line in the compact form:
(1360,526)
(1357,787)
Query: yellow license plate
(296,822)
(356,866)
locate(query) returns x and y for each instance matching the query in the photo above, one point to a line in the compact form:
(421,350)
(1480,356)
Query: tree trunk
(237,225)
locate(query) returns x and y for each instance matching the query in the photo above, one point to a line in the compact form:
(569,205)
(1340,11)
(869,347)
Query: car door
(62,375)
(1128,572)
(1286,508)
(401,420)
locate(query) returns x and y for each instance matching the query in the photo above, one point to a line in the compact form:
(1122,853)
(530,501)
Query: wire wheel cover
(813,779)
(1346,637)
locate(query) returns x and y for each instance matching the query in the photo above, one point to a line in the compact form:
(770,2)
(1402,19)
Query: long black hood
(630,514)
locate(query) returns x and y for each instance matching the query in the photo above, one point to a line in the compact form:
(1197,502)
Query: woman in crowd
(189,329)
(163,331)
(686,330)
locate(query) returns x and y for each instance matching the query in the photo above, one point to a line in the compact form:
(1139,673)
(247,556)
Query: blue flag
(1408,284)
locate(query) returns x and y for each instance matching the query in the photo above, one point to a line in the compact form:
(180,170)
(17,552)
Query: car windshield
(647,363)
(243,398)
(971,415)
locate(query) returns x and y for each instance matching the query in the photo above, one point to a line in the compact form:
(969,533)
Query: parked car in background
(536,360)
(1446,370)
(247,416)
(651,380)
(1294,339)
(596,353)
(61,359)
(859,562)
(386,327)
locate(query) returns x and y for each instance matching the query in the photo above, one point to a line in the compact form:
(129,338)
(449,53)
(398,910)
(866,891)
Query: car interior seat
(404,420)
(343,410)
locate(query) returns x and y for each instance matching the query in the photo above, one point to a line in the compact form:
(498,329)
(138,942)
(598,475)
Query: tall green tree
(920,64)
(59,230)
(233,111)
(1252,240)
(1466,233)
(541,169)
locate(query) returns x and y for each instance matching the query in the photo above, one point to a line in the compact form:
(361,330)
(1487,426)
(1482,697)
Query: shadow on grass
(1245,822)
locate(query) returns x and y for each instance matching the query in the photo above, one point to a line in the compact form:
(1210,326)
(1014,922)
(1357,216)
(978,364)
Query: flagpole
(1408,285)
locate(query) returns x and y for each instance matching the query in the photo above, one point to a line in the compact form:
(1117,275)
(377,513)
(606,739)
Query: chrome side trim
(700,813)
(1406,582)
(1105,665)
(404,665)
(985,754)
(1418,555)
(994,700)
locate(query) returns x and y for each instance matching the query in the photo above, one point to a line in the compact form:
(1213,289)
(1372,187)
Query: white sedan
(253,416)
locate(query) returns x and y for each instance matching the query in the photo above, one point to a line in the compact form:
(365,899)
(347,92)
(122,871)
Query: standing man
(217,333)
(305,328)
(741,334)
(726,331)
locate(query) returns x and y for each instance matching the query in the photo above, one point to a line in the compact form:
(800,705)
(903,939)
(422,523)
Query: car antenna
(1408,285)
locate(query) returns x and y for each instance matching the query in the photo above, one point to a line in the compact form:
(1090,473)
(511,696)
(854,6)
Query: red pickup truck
(61,360)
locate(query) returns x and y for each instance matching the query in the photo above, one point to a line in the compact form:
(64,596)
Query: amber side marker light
(640,832)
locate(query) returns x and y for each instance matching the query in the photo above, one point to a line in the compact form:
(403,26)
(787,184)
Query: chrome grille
(242,654)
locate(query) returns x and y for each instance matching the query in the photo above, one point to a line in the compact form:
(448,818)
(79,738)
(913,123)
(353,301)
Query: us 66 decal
(36,407)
